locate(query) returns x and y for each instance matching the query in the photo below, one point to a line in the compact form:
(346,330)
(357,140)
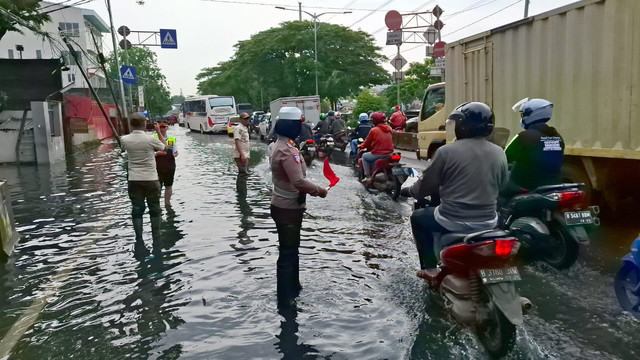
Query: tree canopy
(418,78)
(156,93)
(14,13)
(280,62)
(366,101)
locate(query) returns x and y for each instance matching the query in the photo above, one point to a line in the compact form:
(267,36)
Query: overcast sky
(208,29)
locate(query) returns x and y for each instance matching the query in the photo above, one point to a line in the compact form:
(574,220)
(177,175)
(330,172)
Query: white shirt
(241,132)
(141,149)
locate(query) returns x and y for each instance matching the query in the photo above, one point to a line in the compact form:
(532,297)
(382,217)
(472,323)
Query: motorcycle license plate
(491,276)
(397,171)
(578,218)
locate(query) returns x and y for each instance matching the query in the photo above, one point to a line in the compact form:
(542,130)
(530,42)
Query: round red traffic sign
(393,19)
(438,49)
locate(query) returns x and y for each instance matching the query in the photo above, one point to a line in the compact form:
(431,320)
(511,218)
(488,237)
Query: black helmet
(473,119)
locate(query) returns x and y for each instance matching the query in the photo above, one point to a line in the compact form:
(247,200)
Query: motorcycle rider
(397,119)
(360,132)
(537,152)
(467,175)
(306,132)
(322,127)
(379,143)
(336,126)
(290,188)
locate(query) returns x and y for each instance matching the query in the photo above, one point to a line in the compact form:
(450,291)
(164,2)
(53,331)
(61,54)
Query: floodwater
(73,289)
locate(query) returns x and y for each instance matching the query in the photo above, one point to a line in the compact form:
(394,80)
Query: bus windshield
(220,101)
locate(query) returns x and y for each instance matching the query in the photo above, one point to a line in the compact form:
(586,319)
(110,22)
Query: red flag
(329,174)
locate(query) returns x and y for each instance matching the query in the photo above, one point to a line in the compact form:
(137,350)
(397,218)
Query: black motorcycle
(561,226)
(324,146)
(341,140)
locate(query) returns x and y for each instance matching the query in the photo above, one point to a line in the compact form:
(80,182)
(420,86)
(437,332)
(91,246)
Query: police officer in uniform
(290,188)
(537,152)
(166,163)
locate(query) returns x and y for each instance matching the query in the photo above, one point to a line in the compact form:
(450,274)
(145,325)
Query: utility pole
(115,54)
(299,10)
(526,8)
(398,84)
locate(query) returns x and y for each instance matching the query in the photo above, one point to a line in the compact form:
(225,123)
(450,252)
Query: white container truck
(583,57)
(310,106)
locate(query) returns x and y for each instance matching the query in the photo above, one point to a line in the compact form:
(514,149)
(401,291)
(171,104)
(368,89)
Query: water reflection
(288,338)
(246,211)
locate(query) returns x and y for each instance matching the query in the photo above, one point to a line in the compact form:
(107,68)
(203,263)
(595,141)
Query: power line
(372,12)
(79,2)
(483,18)
(286,5)
(55,4)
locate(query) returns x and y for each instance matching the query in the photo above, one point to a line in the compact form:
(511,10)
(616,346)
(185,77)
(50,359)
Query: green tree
(16,13)
(177,99)
(366,101)
(156,93)
(418,78)
(280,62)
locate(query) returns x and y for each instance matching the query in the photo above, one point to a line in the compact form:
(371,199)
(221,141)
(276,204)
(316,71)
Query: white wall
(51,49)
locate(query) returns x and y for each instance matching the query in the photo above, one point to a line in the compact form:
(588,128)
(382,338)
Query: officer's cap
(290,113)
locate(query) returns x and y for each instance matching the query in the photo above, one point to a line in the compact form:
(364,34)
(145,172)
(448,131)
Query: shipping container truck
(583,57)
(310,106)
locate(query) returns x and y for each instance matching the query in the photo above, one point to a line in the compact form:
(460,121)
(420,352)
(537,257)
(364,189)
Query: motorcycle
(475,277)
(561,222)
(341,140)
(324,145)
(627,280)
(387,175)
(308,151)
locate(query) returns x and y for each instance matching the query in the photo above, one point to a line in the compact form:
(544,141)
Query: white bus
(209,113)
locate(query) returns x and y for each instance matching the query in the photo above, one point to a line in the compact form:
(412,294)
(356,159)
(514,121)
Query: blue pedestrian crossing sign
(128,74)
(168,39)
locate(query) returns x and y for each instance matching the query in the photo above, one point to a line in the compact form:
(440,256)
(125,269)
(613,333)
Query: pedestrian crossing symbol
(128,74)
(168,39)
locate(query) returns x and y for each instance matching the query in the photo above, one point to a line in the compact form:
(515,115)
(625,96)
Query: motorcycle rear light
(396,157)
(568,199)
(507,247)
(232,124)
(210,121)
(500,247)
(310,141)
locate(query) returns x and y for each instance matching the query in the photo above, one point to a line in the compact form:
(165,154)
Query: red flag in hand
(329,174)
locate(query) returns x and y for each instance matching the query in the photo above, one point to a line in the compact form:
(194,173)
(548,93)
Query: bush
(367,101)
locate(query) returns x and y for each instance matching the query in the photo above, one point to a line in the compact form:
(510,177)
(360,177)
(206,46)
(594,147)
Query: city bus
(209,113)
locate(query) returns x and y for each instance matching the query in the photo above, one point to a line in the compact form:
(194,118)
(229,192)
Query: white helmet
(533,111)
(290,113)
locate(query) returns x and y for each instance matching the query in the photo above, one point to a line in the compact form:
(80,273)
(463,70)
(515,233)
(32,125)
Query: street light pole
(315,52)
(115,54)
(315,31)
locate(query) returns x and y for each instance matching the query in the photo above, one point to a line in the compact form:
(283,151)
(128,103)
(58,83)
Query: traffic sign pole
(115,52)
(398,81)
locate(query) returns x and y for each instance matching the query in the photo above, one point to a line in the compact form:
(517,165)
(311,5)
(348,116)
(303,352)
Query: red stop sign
(393,19)
(438,49)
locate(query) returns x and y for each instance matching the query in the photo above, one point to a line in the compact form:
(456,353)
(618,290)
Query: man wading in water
(142,177)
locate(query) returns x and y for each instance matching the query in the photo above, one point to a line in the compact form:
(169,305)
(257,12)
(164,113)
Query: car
(412,125)
(233,122)
(265,126)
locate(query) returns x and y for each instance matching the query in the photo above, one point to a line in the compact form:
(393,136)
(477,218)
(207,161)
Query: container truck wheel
(572,173)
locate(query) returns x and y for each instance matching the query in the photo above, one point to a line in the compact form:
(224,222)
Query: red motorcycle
(475,277)
(387,175)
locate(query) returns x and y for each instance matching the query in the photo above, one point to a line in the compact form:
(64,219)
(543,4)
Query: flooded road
(73,288)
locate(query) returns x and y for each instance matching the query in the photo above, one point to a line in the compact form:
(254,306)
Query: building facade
(80,25)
